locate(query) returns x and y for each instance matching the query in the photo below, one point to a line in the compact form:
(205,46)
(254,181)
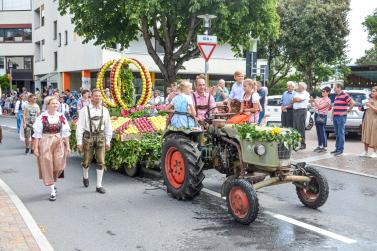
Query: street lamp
(207,29)
(207,22)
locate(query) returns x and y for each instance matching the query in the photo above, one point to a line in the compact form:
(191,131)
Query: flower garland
(120,84)
(100,83)
(290,138)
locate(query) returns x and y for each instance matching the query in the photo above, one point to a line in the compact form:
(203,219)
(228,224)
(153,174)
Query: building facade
(62,60)
(16,47)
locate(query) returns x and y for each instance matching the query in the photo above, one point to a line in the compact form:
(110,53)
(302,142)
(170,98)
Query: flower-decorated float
(137,126)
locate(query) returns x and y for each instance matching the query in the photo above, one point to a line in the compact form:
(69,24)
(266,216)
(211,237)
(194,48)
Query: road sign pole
(206,67)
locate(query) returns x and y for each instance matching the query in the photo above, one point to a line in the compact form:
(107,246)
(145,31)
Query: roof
(368,72)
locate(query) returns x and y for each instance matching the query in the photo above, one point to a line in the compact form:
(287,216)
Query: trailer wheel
(314,193)
(242,201)
(182,167)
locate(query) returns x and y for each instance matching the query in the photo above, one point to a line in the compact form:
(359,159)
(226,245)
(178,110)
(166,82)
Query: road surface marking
(343,170)
(41,240)
(312,228)
(295,222)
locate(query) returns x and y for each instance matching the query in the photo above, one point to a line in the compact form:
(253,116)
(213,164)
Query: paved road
(136,214)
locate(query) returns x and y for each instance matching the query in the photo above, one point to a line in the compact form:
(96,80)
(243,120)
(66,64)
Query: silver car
(355,117)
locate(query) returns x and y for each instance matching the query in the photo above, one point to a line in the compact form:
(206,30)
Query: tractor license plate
(274,123)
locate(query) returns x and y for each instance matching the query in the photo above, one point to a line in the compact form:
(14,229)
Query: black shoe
(31,151)
(26,150)
(333,152)
(318,149)
(338,154)
(323,150)
(303,147)
(52,198)
(85,182)
(100,190)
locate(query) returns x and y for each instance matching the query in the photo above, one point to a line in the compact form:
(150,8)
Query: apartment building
(16,47)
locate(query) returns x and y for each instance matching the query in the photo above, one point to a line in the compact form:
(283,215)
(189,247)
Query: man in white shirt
(94,133)
(300,106)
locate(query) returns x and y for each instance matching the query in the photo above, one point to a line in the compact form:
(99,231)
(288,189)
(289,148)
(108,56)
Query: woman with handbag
(51,144)
(322,107)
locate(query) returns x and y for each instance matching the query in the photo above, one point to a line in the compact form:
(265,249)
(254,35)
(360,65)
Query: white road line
(39,237)
(312,228)
(295,222)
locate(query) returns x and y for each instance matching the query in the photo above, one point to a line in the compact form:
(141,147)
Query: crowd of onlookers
(247,99)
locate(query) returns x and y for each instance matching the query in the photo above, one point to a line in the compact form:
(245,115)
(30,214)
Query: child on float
(250,106)
(184,112)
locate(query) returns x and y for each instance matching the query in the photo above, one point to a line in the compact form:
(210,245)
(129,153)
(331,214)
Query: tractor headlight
(260,149)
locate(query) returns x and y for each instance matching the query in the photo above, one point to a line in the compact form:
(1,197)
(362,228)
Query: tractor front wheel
(313,194)
(182,167)
(242,201)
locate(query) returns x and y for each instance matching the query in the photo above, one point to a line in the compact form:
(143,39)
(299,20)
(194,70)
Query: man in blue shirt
(287,105)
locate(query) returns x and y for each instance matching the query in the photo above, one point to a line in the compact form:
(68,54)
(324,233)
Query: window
(2,35)
(2,63)
(60,40)
(42,15)
(55,60)
(15,35)
(28,65)
(37,51)
(66,38)
(55,30)
(15,4)
(42,50)
(22,63)
(37,18)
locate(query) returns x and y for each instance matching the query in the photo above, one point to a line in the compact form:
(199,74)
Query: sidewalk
(351,163)
(14,233)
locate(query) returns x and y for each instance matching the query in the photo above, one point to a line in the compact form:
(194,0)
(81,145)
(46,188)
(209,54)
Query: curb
(39,237)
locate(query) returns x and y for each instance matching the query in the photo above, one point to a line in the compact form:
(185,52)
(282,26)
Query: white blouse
(38,125)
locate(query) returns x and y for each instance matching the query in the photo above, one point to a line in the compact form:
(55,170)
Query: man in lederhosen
(202,100)
(94,134)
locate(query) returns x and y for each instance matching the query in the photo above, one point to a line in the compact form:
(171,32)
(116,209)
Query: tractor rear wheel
(182,167)
(314,193)
(242,201)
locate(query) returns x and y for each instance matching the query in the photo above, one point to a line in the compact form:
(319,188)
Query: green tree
(173,24)
(4,82)
(311,42)
(370,25)
(370,57)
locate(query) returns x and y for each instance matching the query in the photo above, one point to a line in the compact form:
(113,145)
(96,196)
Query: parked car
(355,117)
(274,111)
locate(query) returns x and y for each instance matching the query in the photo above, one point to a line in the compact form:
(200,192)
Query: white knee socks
(99,177)
(52,188)
(85,172)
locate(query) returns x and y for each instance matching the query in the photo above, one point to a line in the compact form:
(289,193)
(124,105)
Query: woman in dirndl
(51,144)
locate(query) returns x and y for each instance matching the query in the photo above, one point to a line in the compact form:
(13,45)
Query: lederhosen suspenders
(202,107)
(98,129)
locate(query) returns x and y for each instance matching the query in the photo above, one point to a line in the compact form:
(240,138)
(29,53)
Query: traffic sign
(207,50)
(207,45)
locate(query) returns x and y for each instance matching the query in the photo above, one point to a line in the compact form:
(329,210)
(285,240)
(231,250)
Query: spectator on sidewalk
(287,105)
(343,104)
(84,100)
(236,93)
(18,107)
(322,107)
(51,144)
(156,99)
(221,93)
(262,91)
(300,106)
(369,132)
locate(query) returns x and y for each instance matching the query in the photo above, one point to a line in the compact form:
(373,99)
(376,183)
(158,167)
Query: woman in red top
(322,107)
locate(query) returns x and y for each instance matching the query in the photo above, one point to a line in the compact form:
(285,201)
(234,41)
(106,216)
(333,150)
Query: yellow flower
(276,131)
